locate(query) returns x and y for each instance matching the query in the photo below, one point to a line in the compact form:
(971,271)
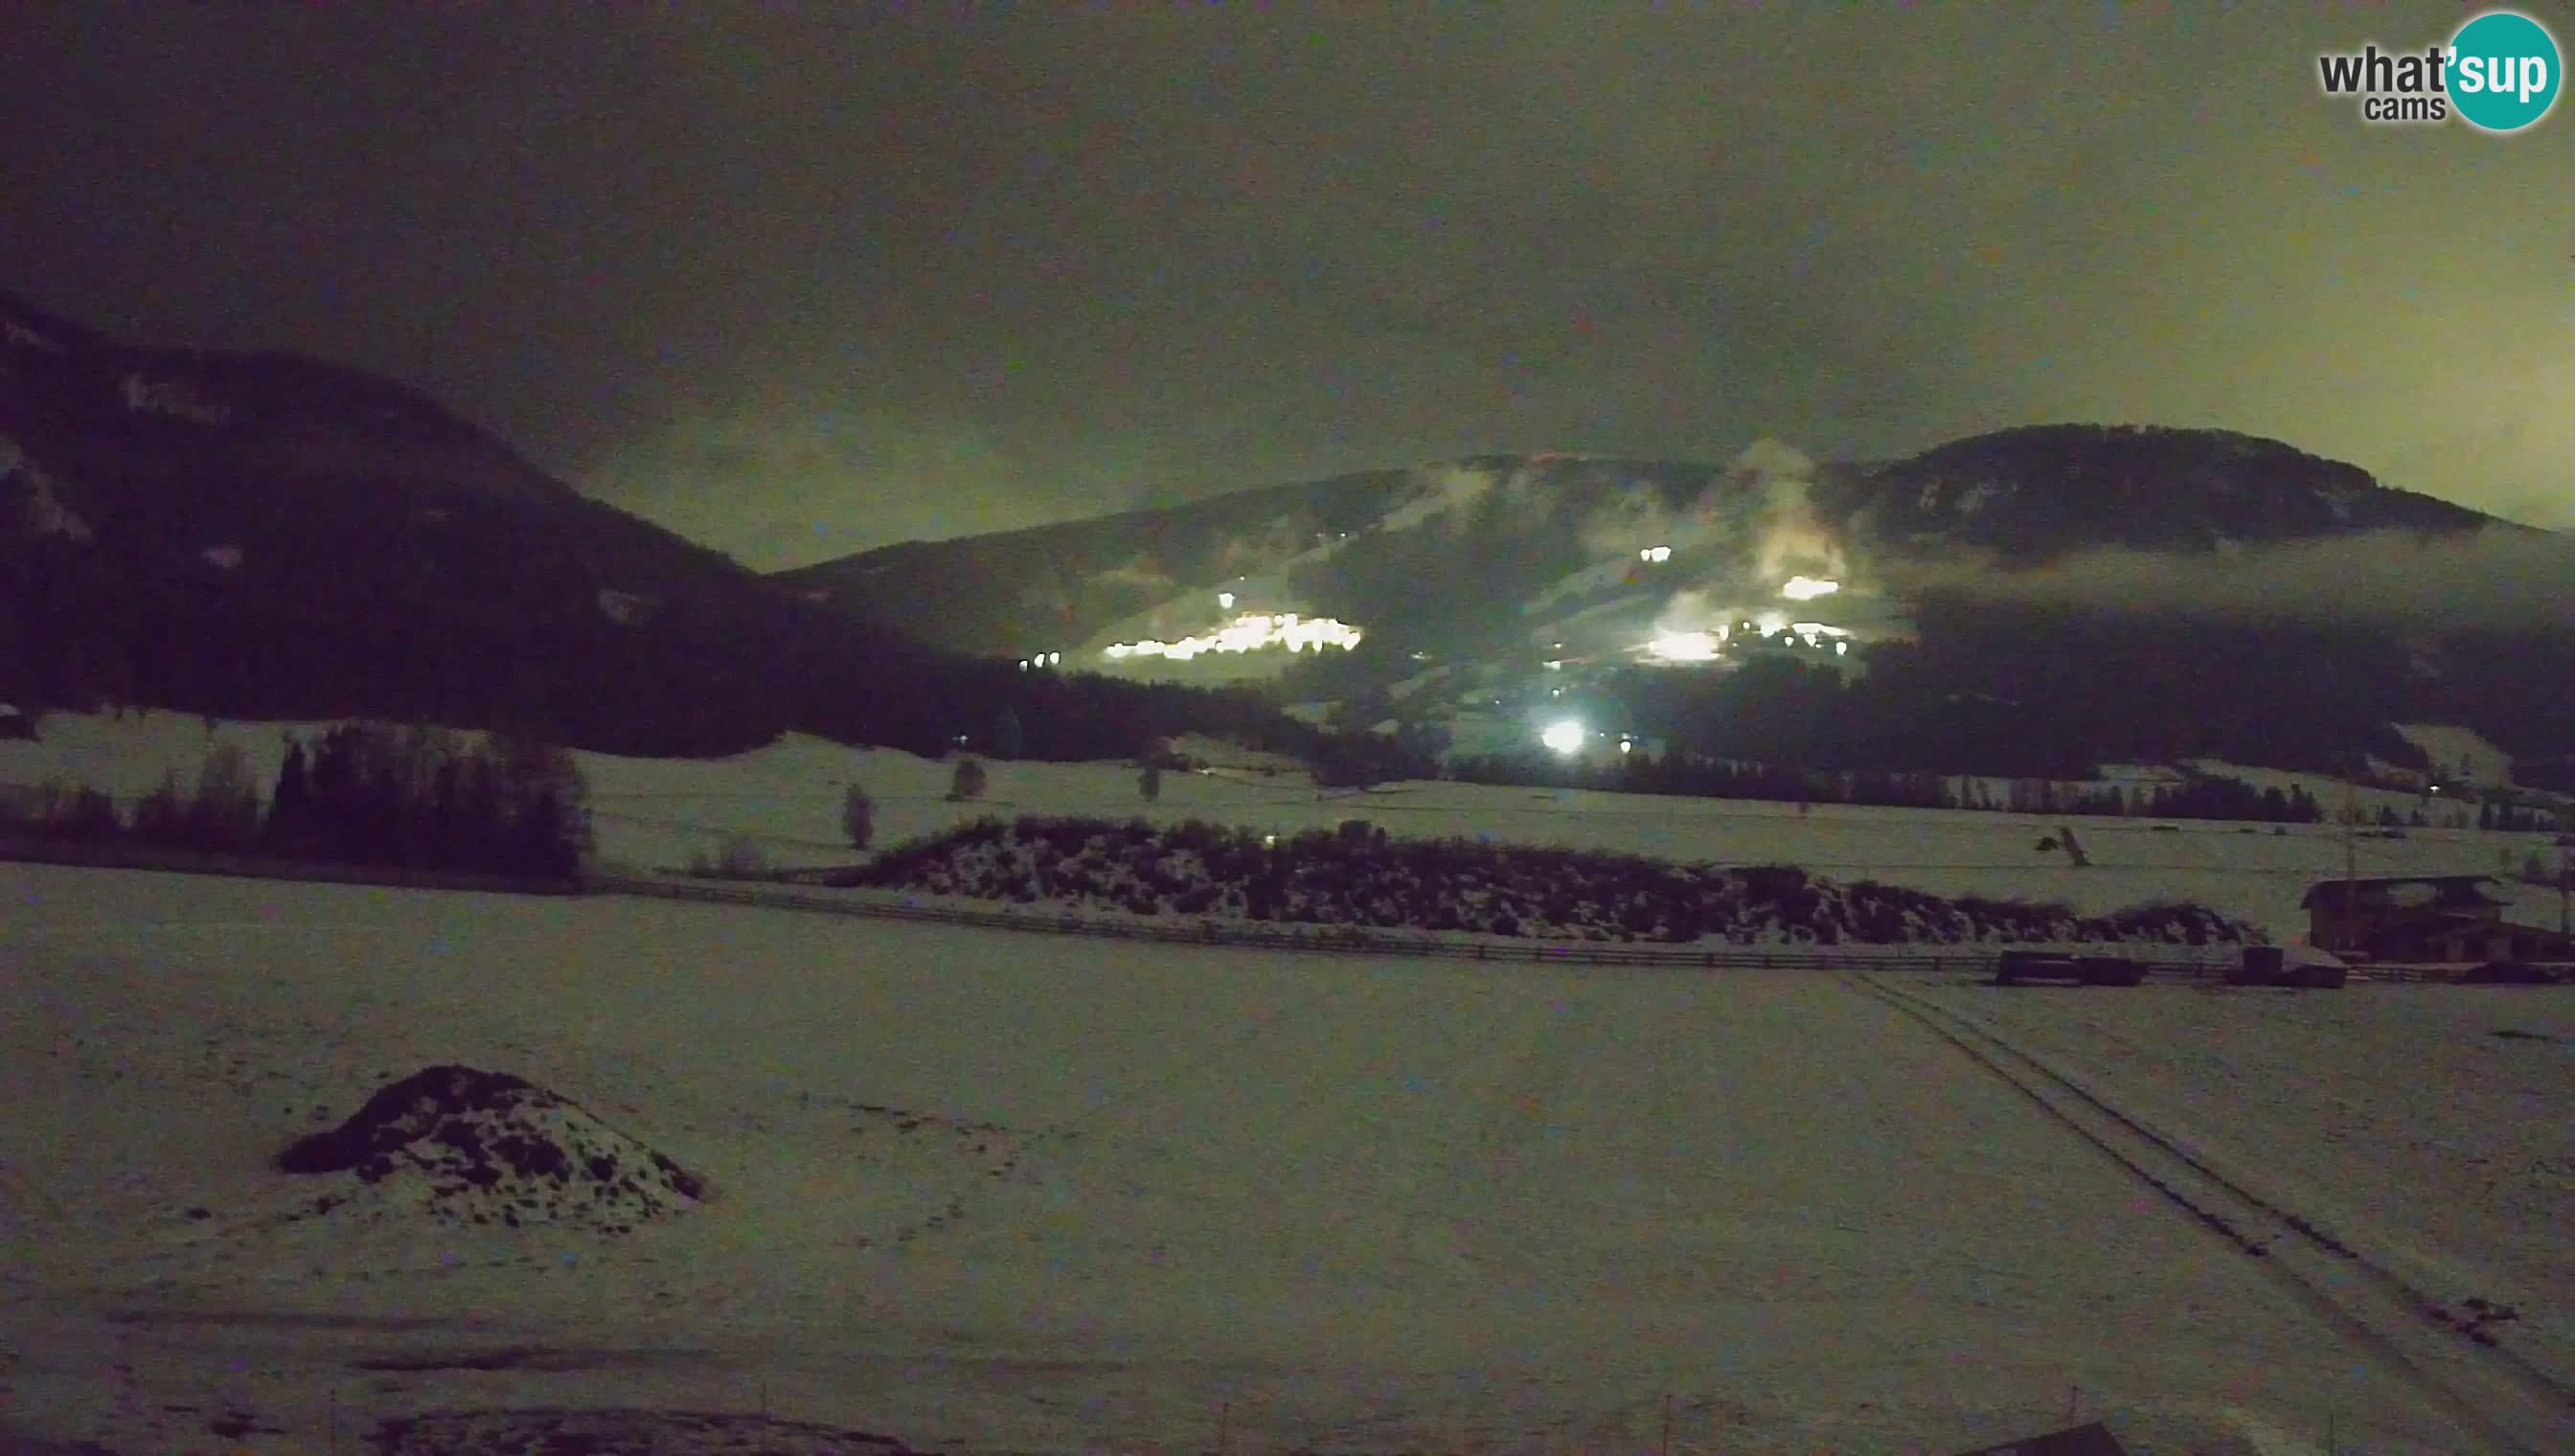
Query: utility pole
(2565,877)
(2350,862)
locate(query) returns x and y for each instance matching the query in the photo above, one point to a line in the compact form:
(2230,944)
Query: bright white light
(1806,588)
(1772,623)
(1685,647)
(1556,664)
(1627,746)
(1654,553)
(1842,649)
(1248,632)
(1564,736)
(1225,600)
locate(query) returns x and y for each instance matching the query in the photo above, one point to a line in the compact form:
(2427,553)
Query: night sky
(801,281)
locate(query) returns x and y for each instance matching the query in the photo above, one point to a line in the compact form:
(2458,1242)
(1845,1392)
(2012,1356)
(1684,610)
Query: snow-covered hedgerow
(1360,877)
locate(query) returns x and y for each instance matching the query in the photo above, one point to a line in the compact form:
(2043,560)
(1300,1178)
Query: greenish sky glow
(799,282)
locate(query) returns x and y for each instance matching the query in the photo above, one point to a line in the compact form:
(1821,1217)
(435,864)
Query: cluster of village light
(1708,645)
(1250,632)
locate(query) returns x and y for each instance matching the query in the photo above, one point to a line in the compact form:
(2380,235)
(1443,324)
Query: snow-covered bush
(1367,881)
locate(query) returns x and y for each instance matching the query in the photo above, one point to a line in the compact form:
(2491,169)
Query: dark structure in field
(2425,917)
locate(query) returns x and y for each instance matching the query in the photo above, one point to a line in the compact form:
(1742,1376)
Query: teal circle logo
(2505,71)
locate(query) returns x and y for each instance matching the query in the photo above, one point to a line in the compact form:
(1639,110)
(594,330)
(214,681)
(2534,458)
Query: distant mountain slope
(1019,591)
(264,536)
(263,533)
(1354,546)
(1521,528)
(1489,595)
(2043,490)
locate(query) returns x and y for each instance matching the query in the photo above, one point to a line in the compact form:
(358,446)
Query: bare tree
(858,817)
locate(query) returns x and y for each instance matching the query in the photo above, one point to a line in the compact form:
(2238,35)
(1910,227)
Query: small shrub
(740,856)
(858,817)
(968,780)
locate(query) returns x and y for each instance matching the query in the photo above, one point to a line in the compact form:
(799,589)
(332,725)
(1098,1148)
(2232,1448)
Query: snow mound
(627,1432)
(470,1146)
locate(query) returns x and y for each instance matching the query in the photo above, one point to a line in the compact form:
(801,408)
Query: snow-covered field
(990,1193)
(652,812)
(2438,1117)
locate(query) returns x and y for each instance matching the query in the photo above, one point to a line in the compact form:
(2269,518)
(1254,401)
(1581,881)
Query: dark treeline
(1682,773)
(358,794)
(421,799)
(2513,818)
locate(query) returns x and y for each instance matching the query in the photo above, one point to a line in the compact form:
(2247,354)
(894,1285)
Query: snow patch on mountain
(19,334)
(1414,684)
(1445,491)
(175,397)
(43,512)
(1598,578)
(623,608)
(1977,497)
(1547,633)
(226,557)
(1136,574)
(2460,756)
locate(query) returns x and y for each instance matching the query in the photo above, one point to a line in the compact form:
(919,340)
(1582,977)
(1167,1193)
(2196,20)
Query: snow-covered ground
(2459,756)
(659,812)
(2436,1117)
(990,1193)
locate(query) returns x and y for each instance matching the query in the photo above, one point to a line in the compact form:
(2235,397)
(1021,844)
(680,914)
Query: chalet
(2403,912)
(2425,917)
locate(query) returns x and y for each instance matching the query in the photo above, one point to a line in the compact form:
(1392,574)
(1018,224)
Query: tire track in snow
(2500,1391)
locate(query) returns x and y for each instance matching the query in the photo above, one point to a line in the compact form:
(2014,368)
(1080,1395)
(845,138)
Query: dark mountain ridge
(269,536)
(266,535)
(1959,570)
